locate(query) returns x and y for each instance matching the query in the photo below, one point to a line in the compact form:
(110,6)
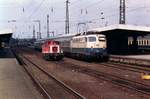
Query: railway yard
(76,79)
(74,49)
(81,66)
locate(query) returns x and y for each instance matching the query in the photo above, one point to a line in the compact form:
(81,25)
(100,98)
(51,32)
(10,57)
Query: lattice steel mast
(67,18)
(47,25)
(122,17)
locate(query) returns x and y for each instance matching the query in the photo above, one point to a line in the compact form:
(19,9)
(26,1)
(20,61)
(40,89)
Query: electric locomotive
(88,47)
(51,50)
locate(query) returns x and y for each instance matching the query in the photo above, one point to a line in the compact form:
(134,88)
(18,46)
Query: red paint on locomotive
(52,50)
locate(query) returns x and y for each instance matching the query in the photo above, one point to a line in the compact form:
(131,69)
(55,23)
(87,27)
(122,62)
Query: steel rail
(139,87)
(134,68)
(42,90)
(76,94)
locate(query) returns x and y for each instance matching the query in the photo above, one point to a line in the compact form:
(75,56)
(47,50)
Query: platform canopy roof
(128,29)
(5,35)
(6,31)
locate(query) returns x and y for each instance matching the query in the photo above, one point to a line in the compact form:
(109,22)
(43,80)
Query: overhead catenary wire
(57,21)
(116,13)
(36,9)
(85,9)
(111,15)
(76,20)
(73,3)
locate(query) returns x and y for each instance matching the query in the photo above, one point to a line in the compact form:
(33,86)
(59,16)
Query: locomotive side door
(102,41)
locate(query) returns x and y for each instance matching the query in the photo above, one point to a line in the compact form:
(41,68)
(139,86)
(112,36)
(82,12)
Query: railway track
(134,85)
(63,90)
(134,68)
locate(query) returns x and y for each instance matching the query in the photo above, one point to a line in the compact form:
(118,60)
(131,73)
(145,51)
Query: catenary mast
(122,17)
(67,18)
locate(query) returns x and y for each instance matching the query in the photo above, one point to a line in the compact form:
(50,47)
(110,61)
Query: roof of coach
(51,42)
(68,37)
(89,35)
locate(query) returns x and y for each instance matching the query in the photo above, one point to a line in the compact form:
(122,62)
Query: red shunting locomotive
(51,50)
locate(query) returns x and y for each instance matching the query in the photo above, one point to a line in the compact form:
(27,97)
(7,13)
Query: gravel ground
(88,86)
(122,73)
(55,91)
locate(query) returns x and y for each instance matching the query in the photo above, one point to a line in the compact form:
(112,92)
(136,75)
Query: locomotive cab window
(101,39)
(92,39)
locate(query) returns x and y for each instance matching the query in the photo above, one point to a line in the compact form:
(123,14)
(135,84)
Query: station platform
(131,59)
(14,82)
(142,57)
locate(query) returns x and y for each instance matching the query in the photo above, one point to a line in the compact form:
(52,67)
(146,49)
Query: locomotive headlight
(61,51)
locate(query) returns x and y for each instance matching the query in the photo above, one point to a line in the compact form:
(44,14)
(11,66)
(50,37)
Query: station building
(5,36)
(118,37)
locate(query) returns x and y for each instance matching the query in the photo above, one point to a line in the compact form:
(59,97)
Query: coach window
(144,42)
(140,43)
(147,42)
(92,39)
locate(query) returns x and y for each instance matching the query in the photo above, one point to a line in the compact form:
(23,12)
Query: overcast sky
(99,12)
